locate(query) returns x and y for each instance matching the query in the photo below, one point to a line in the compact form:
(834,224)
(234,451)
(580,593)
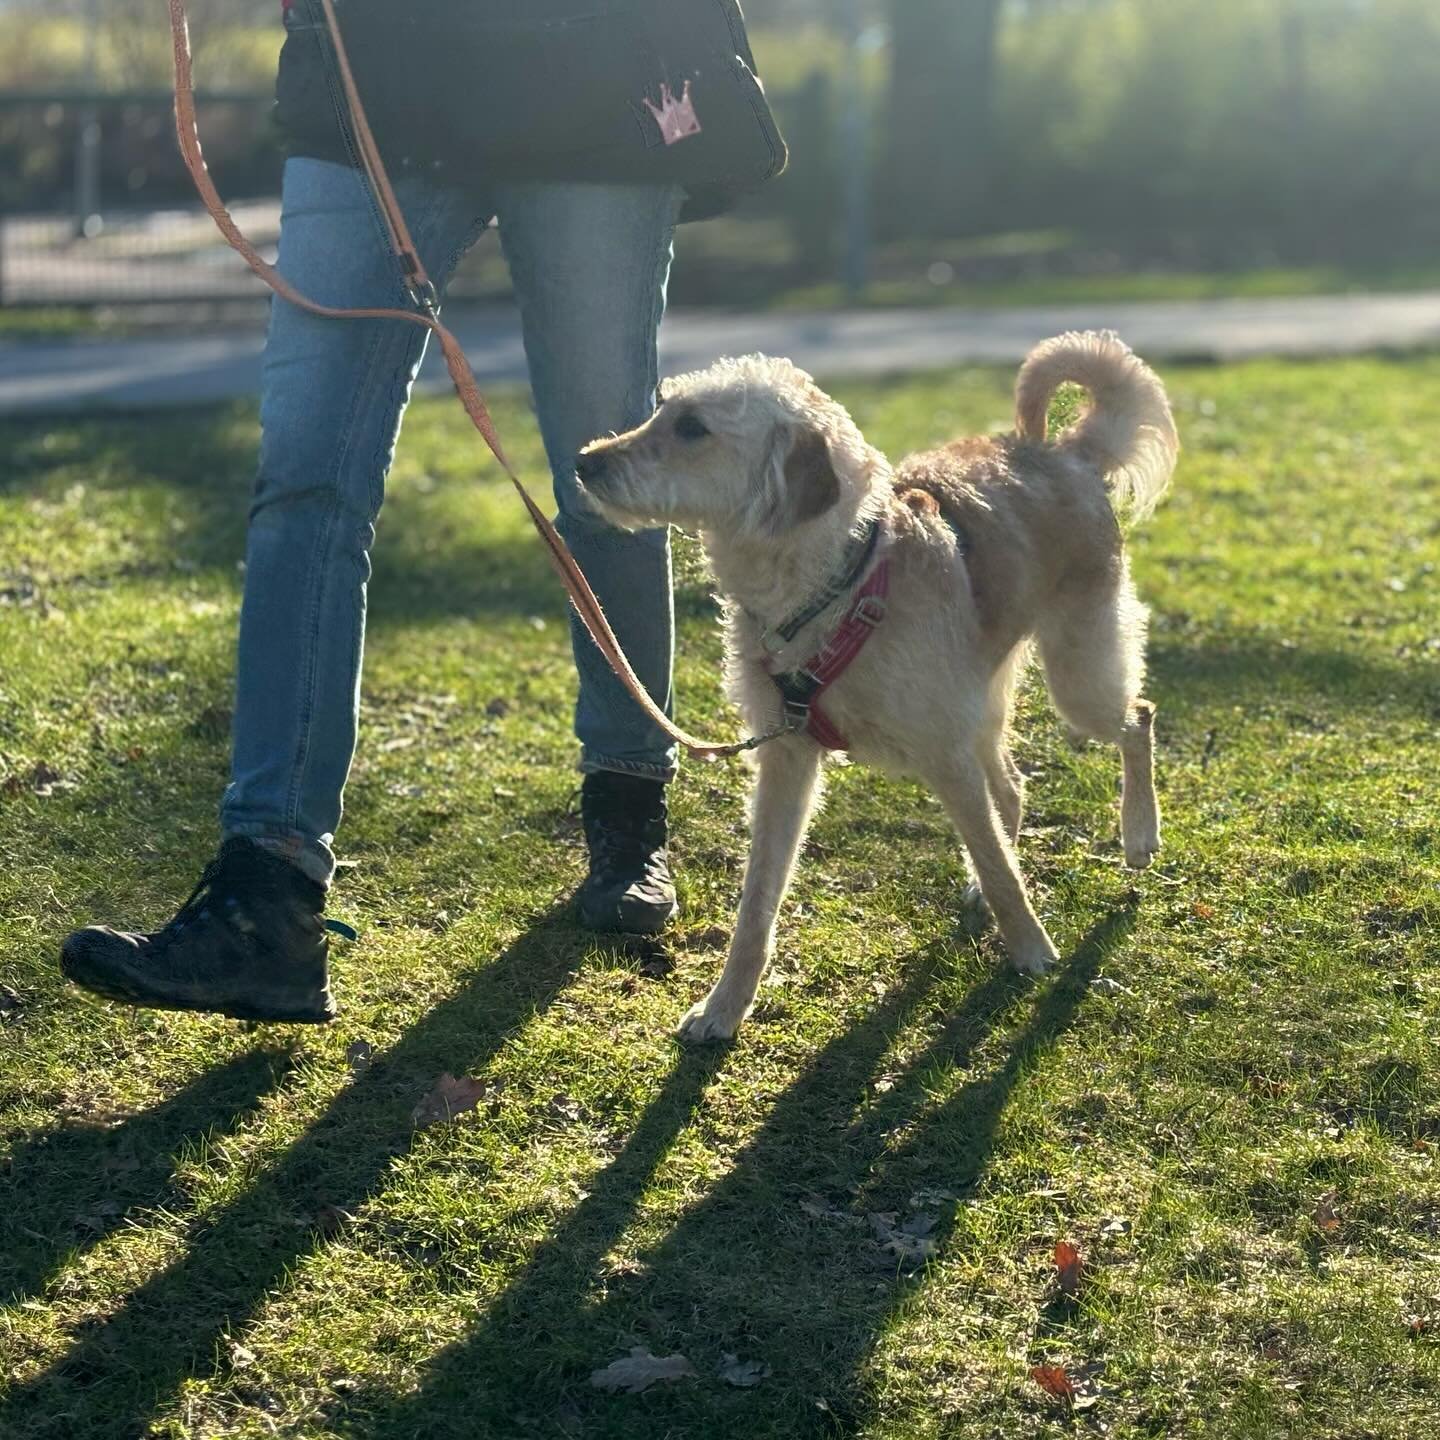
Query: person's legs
(333,394)
(250,941)
(590,265)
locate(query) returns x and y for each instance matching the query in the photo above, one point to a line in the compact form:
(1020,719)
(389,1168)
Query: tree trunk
(935,179)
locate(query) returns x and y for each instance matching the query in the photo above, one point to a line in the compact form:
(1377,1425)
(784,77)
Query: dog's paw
(972,898)
(1037,960)
(975,916)
(712,1019)
(1140,850)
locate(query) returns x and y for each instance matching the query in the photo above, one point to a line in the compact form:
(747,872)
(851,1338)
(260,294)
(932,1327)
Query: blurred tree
(936,175)
(44,42)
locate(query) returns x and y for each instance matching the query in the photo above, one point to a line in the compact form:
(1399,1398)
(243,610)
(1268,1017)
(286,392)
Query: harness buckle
(771,643)
(797,713)
(869,610)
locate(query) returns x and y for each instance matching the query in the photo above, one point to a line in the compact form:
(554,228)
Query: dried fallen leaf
(657,965)
(1106,986)
(1326,1217)
(909,1241)
(744,1373)
(41,779)
(1067,1268)
(639,1370)
(918,1226)
(358,1054)
(710,938)
(932,1197)
(1053,1380)
(331,1219)
(99,1217)
(565,1107)
(1419,1325)
(241,1355)
(451,1097)
(1202,911)
(1115,1226)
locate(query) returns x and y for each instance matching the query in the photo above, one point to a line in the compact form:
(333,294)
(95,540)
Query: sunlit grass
(208,1231)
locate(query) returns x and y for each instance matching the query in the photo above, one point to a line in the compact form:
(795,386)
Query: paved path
(157,371)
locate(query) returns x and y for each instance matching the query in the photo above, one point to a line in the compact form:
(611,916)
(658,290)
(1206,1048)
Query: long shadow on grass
(63,1190)
(745,1270)
(121,1370)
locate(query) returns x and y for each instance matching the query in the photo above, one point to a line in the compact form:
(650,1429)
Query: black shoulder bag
(637,91)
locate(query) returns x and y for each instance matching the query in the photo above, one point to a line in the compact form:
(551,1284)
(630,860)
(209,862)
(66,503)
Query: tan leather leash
(422,291)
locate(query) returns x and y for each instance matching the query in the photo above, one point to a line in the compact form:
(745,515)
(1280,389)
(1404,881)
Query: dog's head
(749,448)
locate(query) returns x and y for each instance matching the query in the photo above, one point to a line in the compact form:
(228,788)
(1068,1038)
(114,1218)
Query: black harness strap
(857,557)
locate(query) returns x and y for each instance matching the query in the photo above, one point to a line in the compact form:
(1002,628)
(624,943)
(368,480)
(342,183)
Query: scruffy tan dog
(898,606)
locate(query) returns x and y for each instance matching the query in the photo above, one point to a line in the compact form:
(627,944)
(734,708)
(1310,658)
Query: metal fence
(96,207)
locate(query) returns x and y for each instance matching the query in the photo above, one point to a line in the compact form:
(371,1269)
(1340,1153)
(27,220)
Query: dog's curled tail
(1128,430)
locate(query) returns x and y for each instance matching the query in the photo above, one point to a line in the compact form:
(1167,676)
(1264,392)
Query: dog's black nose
(591,466)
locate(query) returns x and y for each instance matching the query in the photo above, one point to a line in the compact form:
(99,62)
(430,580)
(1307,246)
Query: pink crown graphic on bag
(676,118)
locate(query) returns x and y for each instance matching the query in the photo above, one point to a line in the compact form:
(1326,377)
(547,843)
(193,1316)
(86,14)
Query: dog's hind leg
(1002,774)
(1093,649)
(964,791)
(785,794)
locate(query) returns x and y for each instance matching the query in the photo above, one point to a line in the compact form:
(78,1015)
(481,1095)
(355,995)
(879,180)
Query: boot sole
(312,1010)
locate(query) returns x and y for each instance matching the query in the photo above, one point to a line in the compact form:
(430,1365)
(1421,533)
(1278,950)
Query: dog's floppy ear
(810,486)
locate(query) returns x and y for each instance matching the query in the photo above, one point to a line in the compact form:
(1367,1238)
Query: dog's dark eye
(691,427)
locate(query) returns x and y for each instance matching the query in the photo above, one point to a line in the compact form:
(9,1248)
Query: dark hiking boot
(250,943)
(629,886)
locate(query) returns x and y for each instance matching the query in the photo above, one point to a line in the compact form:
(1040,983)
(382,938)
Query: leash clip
(418,285)
(424,296)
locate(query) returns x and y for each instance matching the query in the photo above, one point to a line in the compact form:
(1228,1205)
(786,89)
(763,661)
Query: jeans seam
(380,341)
(319,560)
(618,706)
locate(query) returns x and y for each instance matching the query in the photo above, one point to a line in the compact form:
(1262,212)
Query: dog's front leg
(785,794)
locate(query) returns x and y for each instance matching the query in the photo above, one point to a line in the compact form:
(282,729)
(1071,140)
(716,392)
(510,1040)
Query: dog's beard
(631,500)
(620,511)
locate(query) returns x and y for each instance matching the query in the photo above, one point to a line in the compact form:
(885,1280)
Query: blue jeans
(589,264)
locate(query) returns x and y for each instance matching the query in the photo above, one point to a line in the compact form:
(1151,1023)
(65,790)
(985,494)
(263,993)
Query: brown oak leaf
(1067,1268)
(451,1097)
(1053,1380)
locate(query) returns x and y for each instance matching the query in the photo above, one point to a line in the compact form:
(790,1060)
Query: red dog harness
(801,689)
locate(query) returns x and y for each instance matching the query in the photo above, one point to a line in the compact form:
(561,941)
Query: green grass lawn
(1226,1097)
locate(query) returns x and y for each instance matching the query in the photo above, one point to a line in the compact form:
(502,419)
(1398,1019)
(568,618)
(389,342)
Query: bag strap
(423,291)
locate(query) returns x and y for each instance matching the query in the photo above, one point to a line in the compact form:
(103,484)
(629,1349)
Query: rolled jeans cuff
(592,764)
